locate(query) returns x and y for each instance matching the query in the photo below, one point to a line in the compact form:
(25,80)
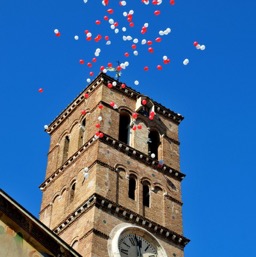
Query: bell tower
(113,179)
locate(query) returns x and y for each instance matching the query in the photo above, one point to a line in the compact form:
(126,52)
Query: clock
(127,240)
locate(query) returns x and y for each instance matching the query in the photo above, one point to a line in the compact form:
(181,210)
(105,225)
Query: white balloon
(168,30)
(76,37)
(86,175)
(135,53)
(165,57)
(136,82)
(122,65)
(143,41)
(111,21)
(161,33)
(129,38)
(198,46)
(135,40)
(99,118)
(114,83)
(186,61)
(56,31)
(123,29)
(112,26)
(104,71)
(153,155)
(146,24)
(123,3)
(98,50)
(88,80)
(96,54)
(131,12)
(116,30)
(202,47)
(124,14)
(108,42)
(124,38)
(45,126)
(89,34)
(126,64)
(85,1)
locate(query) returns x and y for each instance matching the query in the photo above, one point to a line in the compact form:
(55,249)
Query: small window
(124,127)
(153,143)
(132,188)
(72,192)
(65,149)
(146,196)
(82,133)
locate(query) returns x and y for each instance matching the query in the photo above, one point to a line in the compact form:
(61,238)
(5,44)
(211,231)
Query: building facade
(113,179)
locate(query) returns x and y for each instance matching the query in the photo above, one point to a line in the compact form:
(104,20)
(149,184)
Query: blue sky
(215,92)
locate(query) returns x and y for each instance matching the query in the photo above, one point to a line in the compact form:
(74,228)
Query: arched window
(82,133)
(124,127)
(72,192)
(153,143)
(65,149)
(132,188)
(146,195)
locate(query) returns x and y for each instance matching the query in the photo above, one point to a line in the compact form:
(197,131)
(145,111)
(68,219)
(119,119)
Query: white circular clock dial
(132,245)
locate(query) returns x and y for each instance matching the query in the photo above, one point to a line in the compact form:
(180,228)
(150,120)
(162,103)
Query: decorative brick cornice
(124,214)
(141,157)
(122,147)
(128,91)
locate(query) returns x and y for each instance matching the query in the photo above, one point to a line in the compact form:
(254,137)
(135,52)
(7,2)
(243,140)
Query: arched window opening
(153,144)
(82,133)
(65,149)
(132,188)
(72,192)
(124,127)
(75,245)
(146,195)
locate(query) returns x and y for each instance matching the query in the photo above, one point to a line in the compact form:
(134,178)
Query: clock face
(134,245)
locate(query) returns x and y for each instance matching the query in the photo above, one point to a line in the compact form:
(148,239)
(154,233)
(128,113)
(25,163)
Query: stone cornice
(128,91)
(122,147)
(125,214)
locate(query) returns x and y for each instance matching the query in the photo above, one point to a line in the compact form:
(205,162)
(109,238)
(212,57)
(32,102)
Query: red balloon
(135,115)
(123,85)
(89,64)
(101,135)
(167,61)
(139,126)
(146,68)
(158,39)
(150,49)
(116,24)
(144,101)
(94,59)
(131,24)
(100,106)
(97,22)
(133,46)
(134,127)
(81,61)
(155,2)
(172,2)
(109,64)
(126,54)
(105,18)
(83,112)
(91,73)
(97,125)
(112,104)
(118,68)
(157,12)
(195,43)
(57,34)
(102,68)
(40,90)
(159,67)
(110,85)
(106,37)
(110,11)
(149,42)
(86,95)
(88,38)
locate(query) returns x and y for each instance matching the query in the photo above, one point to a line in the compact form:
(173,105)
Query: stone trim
(122,147)
(132,217)
(128,91)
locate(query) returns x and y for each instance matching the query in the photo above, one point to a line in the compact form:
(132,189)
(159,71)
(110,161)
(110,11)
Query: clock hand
(138,244)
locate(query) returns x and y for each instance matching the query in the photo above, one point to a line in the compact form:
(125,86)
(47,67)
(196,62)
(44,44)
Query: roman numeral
(126,245)
(124,251)
(132,240)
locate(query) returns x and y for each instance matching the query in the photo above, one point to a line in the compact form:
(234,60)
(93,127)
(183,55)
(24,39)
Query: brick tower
(113,180)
